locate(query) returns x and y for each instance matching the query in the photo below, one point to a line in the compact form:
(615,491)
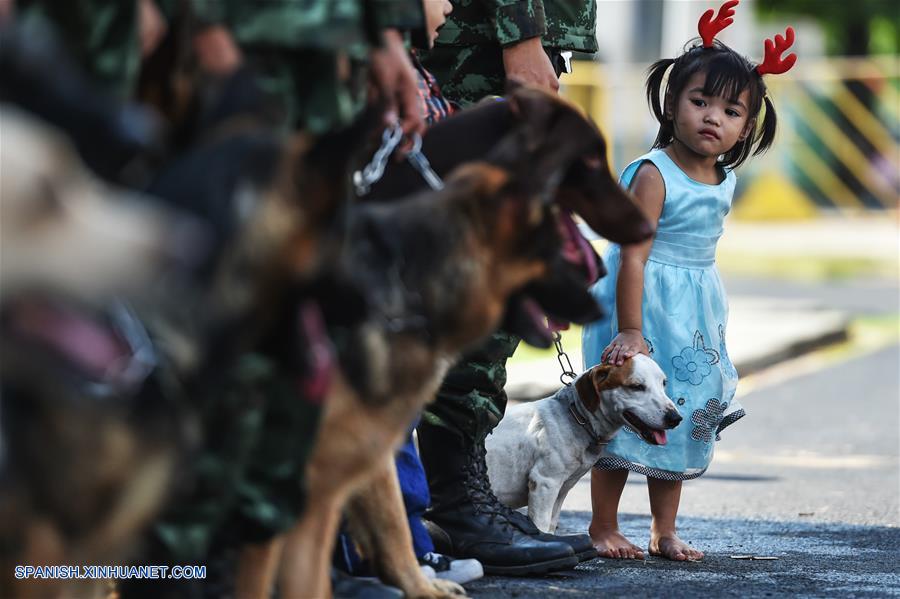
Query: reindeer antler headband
(772,63)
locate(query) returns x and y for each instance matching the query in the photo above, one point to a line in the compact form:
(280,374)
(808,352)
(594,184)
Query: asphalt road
(811,476)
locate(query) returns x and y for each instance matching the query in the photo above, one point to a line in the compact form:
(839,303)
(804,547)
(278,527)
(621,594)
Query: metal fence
(838,145)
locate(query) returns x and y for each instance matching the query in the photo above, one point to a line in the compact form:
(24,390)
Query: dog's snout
(672,418)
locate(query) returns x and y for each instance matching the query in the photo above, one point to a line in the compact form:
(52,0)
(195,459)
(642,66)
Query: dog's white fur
(539,451)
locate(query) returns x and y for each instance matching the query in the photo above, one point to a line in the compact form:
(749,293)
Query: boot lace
(479,487)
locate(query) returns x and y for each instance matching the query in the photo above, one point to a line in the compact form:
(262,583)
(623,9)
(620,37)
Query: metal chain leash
(370,174)
(364,179)
(568,375)
(419,162)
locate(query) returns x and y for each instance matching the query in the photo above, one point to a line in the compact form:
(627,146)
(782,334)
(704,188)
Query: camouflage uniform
(250,475)
(467,58)
(102,37)
(247,482)
(310,56)
(468,63)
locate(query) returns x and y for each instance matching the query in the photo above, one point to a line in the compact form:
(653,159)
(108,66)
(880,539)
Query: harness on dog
(364,179)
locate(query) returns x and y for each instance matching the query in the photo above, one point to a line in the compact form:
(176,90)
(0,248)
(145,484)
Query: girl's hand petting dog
(623,346)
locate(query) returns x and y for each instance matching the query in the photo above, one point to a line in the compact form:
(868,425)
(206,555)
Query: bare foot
(612,543)
(673,548)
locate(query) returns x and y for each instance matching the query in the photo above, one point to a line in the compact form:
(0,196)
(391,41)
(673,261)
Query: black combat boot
(467,521)
(580,544)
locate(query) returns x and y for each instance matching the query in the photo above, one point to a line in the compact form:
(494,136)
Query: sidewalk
(761,332)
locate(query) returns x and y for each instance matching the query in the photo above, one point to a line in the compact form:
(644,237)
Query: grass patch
(571,343)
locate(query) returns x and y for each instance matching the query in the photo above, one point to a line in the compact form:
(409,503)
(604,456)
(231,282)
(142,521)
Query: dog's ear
(530,105)
(551,134)
(590,384)
(587,393)
(317,173)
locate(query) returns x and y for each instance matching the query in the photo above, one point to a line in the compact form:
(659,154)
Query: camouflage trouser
(316,91)
(467,74)
(247,482)
(471,400)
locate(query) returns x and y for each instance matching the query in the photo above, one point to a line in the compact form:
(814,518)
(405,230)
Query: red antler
(773,62)
(709,27)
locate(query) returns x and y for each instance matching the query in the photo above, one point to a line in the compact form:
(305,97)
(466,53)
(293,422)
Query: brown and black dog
(439,270)
(83,466)
(587,186)
(94,400)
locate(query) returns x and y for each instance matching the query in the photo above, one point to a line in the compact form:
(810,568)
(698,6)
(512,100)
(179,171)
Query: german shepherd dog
(83,463)
(86,461)
(587,188)
(440,270)
(276,210)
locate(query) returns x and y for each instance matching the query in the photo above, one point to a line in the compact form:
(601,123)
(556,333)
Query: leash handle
(568,375)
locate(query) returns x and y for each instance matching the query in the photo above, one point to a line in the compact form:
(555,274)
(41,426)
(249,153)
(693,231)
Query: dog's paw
(444,589)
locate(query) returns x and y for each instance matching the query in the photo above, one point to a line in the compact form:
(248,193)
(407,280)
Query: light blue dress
(685,313)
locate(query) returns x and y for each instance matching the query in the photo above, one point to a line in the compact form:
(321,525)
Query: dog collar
(596,440)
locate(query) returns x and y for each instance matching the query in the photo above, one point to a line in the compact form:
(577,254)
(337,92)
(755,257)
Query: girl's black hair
(728,74)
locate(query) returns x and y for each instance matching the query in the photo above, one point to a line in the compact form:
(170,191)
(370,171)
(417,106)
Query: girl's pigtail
(655,76)
(767,131)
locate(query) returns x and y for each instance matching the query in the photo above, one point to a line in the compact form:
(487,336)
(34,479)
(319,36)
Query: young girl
(664,297)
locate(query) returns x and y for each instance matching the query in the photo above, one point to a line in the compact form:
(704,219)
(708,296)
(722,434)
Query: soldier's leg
(466,520)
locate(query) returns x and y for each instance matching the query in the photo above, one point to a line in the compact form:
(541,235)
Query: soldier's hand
(216,50)
(527,63)
(394,78)
(152,26)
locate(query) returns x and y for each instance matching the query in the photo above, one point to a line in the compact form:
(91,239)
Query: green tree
(852,27)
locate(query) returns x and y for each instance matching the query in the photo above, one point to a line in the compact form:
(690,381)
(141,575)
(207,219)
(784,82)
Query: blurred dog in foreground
(96,395)
(84,463)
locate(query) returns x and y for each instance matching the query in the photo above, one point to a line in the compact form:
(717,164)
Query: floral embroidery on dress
(680,401)
(707,420)
(693,364)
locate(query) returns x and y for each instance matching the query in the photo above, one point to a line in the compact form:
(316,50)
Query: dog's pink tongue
(320,354)
(659,437)
(576,249)
(538,319)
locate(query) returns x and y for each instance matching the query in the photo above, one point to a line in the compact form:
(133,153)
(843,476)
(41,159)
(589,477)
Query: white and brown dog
(541,449)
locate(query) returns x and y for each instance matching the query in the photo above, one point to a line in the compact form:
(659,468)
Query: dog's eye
(637,387)
(665,382)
